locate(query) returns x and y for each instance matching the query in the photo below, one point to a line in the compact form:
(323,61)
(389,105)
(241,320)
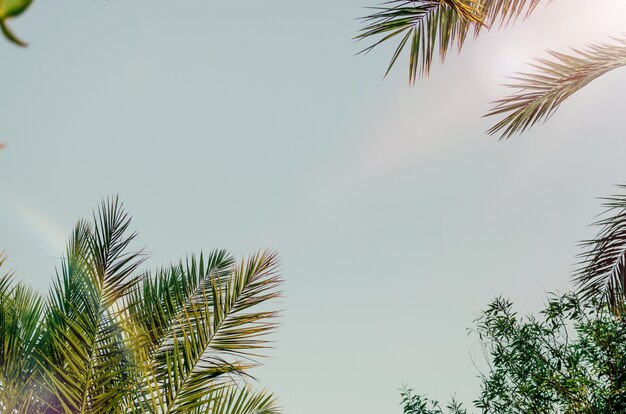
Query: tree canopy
(109,338)
(569,359)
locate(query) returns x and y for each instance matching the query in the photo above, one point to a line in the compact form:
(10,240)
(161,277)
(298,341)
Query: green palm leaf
(90,368)
(418,24)
(540,94)
(21,310)
(431,27)
(602,272)
(159,302)
(235,400)
(212,336)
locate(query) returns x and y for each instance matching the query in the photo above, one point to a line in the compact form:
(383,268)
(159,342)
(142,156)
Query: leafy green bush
(569,359)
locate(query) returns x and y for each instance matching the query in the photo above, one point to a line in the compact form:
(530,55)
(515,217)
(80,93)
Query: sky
(248,126)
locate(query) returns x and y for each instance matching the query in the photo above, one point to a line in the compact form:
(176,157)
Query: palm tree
(108,339)
(426,27)
(601,275)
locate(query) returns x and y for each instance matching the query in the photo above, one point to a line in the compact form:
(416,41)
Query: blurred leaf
(10,9)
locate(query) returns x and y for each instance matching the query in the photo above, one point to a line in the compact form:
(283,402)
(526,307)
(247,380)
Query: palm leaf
(420,22)
(213,337)
(235,400)
(541,93)
(506,12)
(433,26)
(89,366)
(602,272)
(159,302)
(156,306)
(21,311)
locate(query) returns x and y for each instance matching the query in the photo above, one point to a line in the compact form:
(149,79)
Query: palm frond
(5,278)
(21,311)
(540,94)
(113,264)
(235,400)
(420,25)
(214,337)
(602,272)
(160,301)
(155,308)
(505,12)
(431,27)
(89,365)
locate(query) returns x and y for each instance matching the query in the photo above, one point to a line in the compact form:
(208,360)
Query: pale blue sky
(253,125)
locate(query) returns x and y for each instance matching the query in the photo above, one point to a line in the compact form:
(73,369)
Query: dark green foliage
(569,359)
(420,404)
